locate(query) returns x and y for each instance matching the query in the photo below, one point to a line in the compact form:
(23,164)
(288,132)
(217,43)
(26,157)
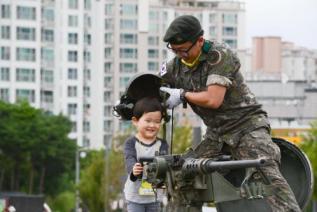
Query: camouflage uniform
(239,123)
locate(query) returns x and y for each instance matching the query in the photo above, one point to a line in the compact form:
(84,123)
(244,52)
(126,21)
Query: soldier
(206,75)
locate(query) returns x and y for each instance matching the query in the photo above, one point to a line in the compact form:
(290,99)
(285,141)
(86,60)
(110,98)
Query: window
(124,82)
(72,73)
(87,39)
(153,40)
(86,91)
(72,56)
(47,35)
(5,11)
(108,23)
(87,74)
(230,31)
(129,38)
(47,96)
(72,109)
(73,4)
(128,67)
(5,53)
(86,108)
(87,4)
(5,74)
(153,66)
(212,31)
(107,82)
(72,21)
(72,91)
(86,142)
(229,18)
(47,76)
(153,53)
(86,126)
(108,38)
(5,32)
(74,126)
(231,42)
(108,52)
(25,33)
(47,55)
(154,15)
(154,28)
(48,14)
(87,21)
(129,9)
(87,56)
(212,18)
(107,96)
(108,67)
(25,54)
(26,13)
(4,94)
(25,94)
(128,24)
(129,53)
(107,125)
(25,75)
(72,38)
(107,111)
(108,9)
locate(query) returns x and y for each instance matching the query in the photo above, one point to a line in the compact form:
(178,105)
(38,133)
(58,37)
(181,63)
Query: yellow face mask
(192,64)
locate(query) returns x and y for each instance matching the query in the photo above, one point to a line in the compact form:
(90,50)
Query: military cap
(184,28)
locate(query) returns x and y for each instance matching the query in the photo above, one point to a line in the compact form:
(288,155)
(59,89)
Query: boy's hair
(146,105)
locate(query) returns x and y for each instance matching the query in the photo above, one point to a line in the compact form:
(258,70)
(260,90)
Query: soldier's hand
(174,98)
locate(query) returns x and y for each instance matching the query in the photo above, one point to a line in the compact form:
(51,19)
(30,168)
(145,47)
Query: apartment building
(76,57)
(272,58)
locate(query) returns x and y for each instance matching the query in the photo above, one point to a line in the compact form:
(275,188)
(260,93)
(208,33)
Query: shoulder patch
(163,70)
(215,57)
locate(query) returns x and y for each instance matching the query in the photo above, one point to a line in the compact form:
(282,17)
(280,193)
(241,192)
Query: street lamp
(80,153)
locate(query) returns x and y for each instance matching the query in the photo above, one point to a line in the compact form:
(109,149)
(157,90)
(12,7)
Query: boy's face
(148,125)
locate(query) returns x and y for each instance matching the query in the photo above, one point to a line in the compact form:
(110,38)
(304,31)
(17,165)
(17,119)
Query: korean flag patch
(163,69)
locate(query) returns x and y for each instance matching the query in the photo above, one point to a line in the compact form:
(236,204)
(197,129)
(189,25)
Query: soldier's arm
(211,98)
(219,80)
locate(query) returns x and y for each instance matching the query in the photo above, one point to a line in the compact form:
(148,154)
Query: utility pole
(107,152)
(77,167)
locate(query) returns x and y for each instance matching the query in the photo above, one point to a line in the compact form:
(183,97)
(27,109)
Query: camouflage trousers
(253,145)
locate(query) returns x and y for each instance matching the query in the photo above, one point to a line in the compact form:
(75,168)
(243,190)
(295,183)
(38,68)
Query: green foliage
(101,180)
(182,139)
(36,155)
(309,146)
(65,201)
(91,187)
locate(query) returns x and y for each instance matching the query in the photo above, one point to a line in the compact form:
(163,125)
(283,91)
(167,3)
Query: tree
(36,154)
(309,146)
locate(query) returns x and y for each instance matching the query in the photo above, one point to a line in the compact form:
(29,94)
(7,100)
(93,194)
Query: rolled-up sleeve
(215,79)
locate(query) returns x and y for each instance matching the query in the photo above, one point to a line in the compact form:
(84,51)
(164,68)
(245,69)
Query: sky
(293,20)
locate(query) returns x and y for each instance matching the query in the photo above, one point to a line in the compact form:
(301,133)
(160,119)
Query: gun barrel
(207,165)
(211,166)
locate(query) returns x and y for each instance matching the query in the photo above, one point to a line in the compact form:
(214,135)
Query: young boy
(147,116)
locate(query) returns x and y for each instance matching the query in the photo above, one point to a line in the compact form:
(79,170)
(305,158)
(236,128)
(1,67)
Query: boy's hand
(137,169)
